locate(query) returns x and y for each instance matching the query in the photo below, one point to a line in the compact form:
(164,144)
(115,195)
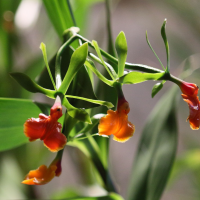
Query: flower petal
(34,128)
(40,176)
(55,141)
(116,123)
(194,106)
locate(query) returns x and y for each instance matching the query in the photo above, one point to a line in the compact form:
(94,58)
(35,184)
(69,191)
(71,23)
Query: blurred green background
(25,24)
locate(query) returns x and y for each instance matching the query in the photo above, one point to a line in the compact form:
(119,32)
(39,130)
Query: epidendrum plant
(68,78)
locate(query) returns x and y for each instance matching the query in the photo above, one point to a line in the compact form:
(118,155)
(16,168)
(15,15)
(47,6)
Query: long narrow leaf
(156,151)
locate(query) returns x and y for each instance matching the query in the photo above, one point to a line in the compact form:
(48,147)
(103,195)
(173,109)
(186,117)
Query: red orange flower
(190,91)
(116,123)
(47,128)
(43,175)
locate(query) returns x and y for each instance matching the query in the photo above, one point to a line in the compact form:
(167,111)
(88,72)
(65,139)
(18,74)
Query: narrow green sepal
(90,65)
(154,51)
(109,68)
(102,103)
(121,48)
(138,77)
(77,113)
(156,88)
(164,36)
(77,60)
(30,85)
(43,48)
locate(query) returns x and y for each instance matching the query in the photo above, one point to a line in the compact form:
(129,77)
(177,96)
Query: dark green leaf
(138,77)
(156,88)
(156,151)
(77,60)
(13,114)
(122,48)
(31,86)
(164,36)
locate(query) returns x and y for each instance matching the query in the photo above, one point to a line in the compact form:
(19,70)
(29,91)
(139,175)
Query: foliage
(85,100)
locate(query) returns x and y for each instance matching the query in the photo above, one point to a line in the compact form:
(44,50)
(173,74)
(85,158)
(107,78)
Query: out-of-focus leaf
(59,15)
(77,60)
(156,88)
(122,48)
(13,114)
(71,195)
(164,36)
(31,86)
(156,151)
(138,77)
(66,193)
(81,11)
(188,161)
(110,196)
(11,177)
(77,113)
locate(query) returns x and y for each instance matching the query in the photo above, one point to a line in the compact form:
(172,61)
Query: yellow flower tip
(122,140)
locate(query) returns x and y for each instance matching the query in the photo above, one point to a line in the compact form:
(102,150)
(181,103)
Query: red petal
(55,141)
(194,106)
(34,128)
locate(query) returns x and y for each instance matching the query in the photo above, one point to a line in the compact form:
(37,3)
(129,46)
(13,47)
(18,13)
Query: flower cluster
(46,128)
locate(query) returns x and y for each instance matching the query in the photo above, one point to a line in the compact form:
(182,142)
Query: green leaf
(122,48)
(31,86)
(43,48)
(13,114)
(77,113)
(156,151)
(156,88)
(77,60)
(164,36)
(103,103)
(59,14)
(109,69)
(138,77)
